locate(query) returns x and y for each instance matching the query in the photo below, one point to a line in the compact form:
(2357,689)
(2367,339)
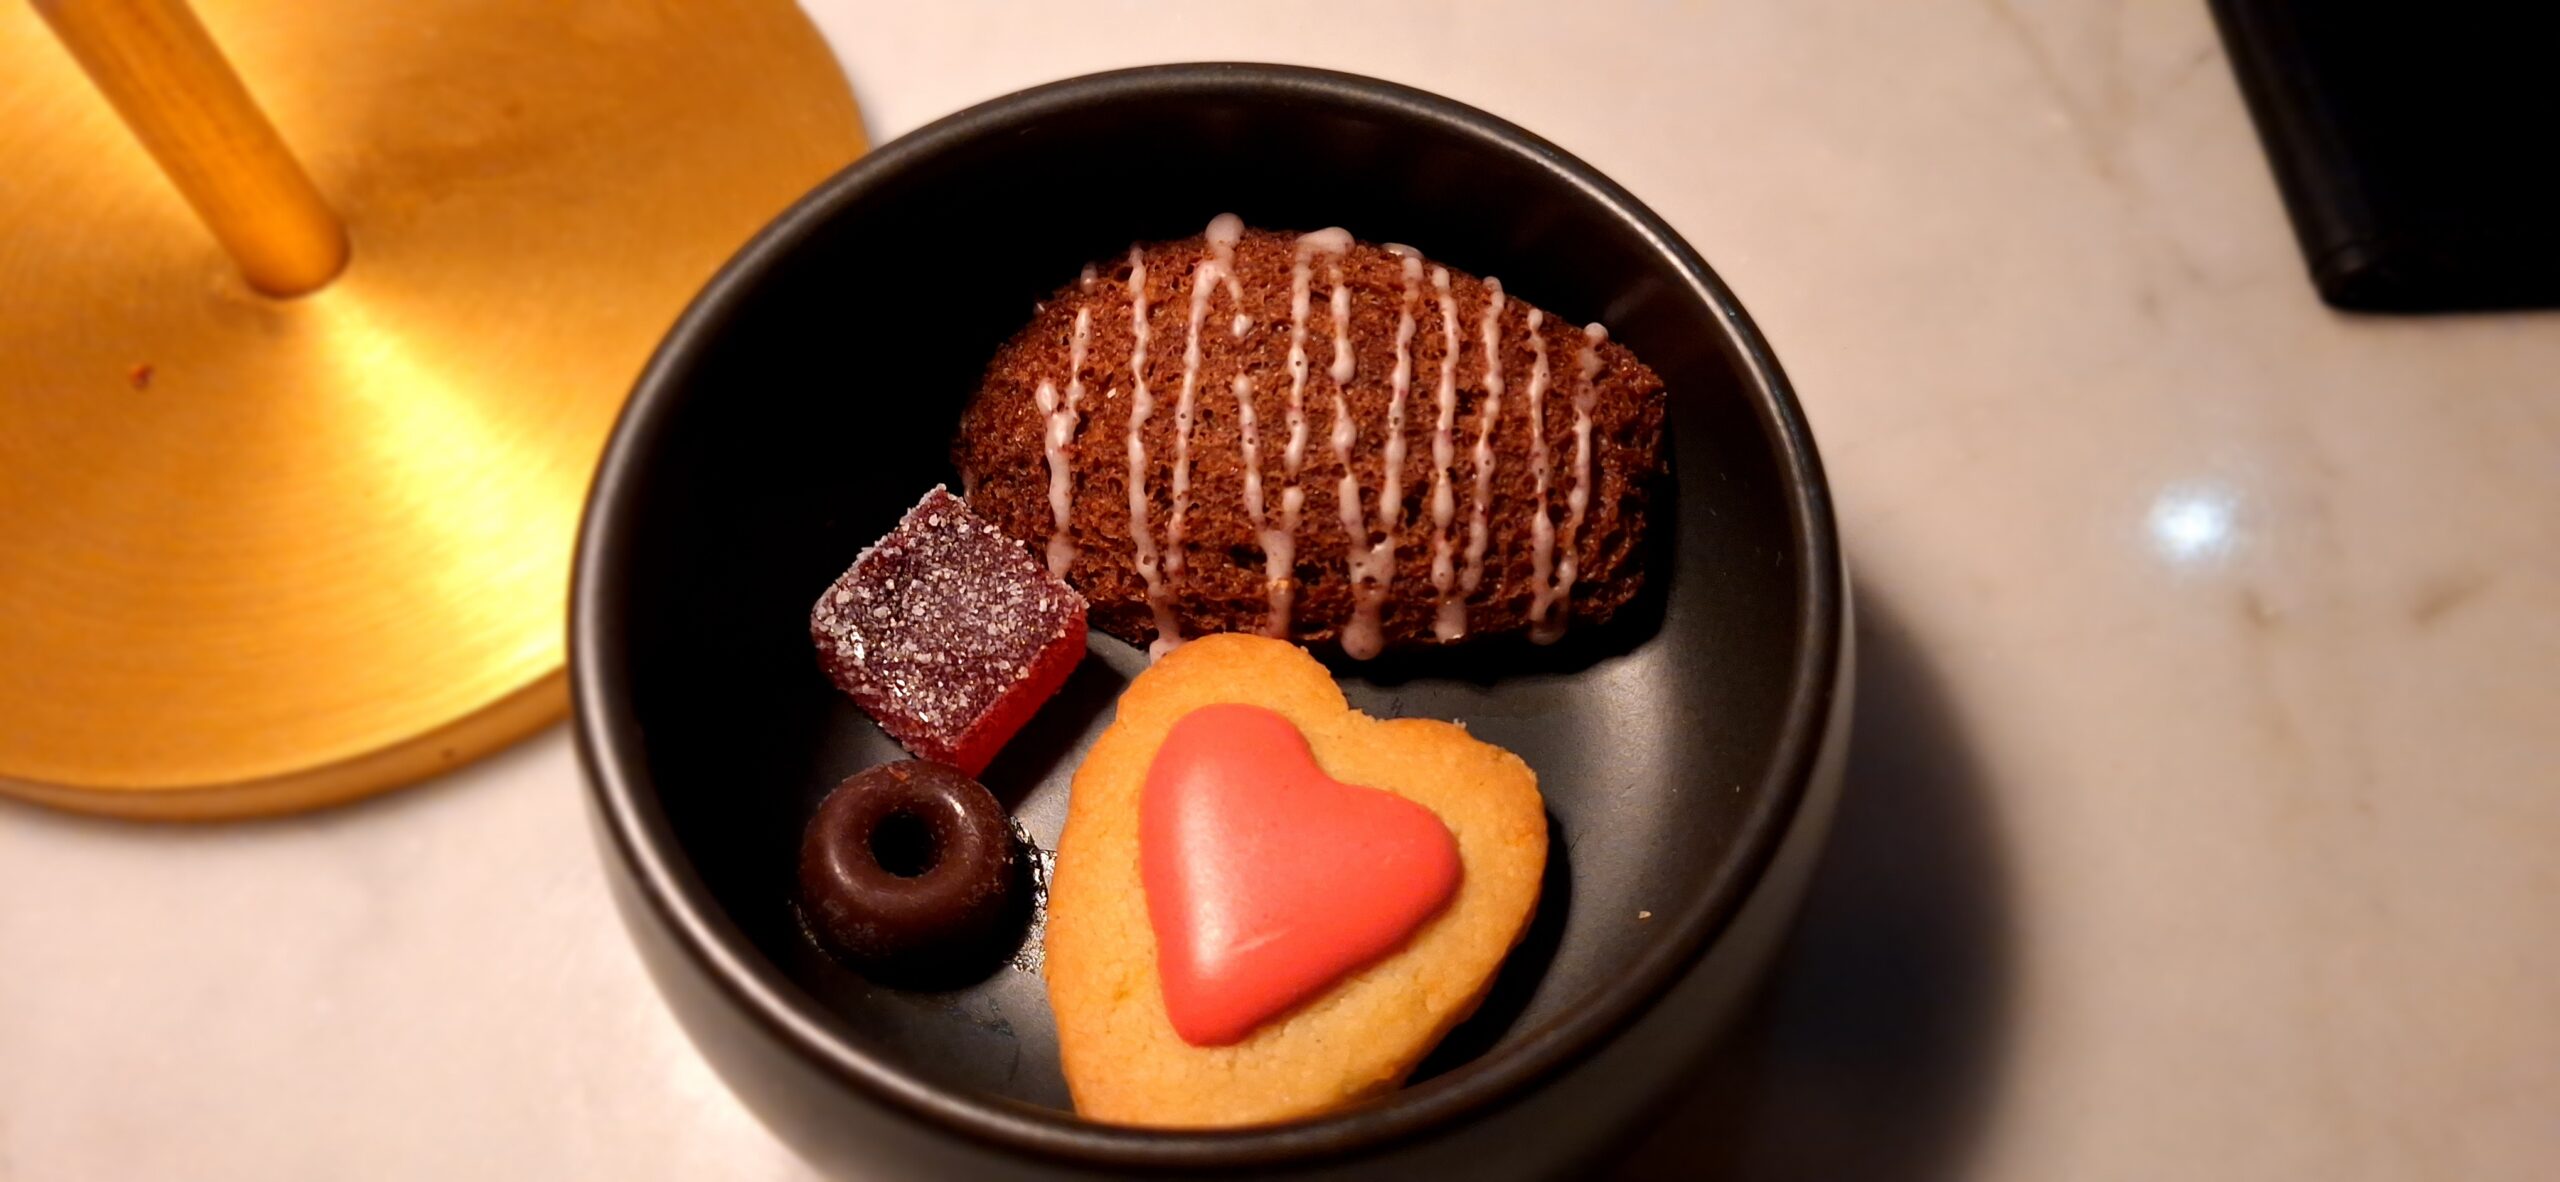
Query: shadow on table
(1873,1050)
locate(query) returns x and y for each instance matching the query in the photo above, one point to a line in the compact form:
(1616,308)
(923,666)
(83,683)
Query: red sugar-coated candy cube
(948,633)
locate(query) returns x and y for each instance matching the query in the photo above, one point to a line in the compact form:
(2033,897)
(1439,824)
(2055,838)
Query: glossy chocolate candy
(910,873)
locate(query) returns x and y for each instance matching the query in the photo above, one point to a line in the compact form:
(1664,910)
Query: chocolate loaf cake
(1301,436)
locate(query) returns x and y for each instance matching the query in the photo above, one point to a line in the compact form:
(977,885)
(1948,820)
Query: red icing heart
(1268,880)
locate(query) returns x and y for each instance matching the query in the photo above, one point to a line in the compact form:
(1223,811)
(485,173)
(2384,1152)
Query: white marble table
(2208,772)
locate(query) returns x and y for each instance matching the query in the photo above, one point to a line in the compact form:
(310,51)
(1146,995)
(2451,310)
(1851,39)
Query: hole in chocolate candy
(903,845)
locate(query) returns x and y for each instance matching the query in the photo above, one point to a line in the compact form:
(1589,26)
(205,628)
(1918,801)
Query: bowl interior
(811,397)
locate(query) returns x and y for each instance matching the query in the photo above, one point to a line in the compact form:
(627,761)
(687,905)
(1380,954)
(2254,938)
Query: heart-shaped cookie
(1266,879)
(1358,1032)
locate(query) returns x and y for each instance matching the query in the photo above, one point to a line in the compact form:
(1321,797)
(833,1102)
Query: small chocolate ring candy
(910,872)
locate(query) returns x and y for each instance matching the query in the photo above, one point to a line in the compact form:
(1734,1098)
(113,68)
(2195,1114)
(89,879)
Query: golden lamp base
(259,555)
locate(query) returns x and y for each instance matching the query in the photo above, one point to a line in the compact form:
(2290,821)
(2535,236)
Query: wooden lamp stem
(171,84)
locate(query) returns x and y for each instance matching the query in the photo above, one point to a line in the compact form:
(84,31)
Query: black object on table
(2415,145)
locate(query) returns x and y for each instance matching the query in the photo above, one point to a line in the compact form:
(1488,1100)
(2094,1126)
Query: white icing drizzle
(1057,442)
(1054,435)
(1346,494)
(1577,501)
(1084,278)
(1452,621)
(1342,368)
(1542,528)
(1221,238)
(1371,531)
(1372,543)
(1141,405)
(1280,547)
(1277,553)
(1480,511)
(1223,233)
(1332,240)
(1296,451)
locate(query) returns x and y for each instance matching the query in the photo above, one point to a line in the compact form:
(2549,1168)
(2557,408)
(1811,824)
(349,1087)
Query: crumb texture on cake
(1239,326)
(1124,1062)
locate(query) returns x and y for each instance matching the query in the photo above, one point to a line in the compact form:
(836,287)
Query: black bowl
(1689,752)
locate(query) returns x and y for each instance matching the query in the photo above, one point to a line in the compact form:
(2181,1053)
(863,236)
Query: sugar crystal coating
(948,633)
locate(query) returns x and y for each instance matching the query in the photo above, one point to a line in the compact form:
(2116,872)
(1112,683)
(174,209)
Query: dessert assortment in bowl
(1079,682)
(1265,905)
